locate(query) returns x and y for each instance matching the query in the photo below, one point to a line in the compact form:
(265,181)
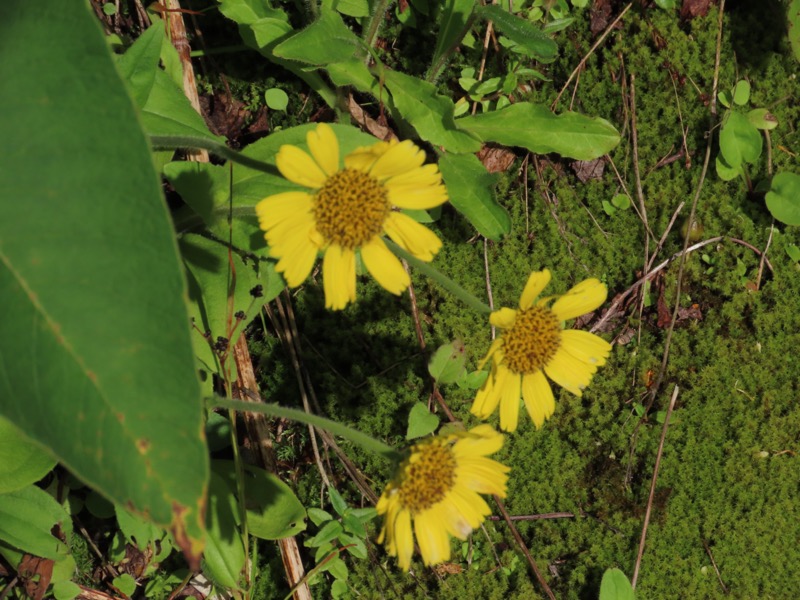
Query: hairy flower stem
(375,20)
(447,283)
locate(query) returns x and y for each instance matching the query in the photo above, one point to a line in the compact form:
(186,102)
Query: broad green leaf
(224,556)
(534,127)
(337,568)
(330,531)
(621,201)
(318,516)
(453,20)
(353,8)
(471,191)
(139,64)
(615,586)
(66,590)
(725,171)
(793,252)
(472,381)
(125,583)
(22,462)
(761,118)
(247,11)
(273,510)
(27,518)
(355,73)
(739,140)
(325,41)
(793,23)
(741,92)
(783,198)
(218,432)
(98,359)
(430,113)
(522,32)
(447,363)
(421,421)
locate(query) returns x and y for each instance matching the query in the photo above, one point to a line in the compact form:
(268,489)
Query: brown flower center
(532,341)
(427,475)
(350,208)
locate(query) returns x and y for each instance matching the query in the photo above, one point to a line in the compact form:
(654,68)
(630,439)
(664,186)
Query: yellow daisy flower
(348,209)
(436,488)
(533,344)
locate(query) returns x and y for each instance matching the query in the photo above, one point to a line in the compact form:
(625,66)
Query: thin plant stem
(357,437)
(375,20)
(447,283)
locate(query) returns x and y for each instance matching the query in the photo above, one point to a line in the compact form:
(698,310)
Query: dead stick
(716,570)
(653,487)
(541,517)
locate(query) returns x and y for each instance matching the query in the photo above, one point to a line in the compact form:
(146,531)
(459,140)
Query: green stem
(441,61)
(173,142)
(220,50)
(447,283)
(362,439)
(371,32)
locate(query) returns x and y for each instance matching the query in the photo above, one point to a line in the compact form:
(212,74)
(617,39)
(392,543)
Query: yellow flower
(436,488)
(533,343)
(347,210)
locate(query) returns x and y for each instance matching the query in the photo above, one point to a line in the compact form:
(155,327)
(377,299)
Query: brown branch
(716,570)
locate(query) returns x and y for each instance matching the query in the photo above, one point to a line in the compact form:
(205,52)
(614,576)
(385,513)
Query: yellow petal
(411,236)
(404,540)
(585,346)
(538,396)
(483,475)
(509,403)
(537,281)
(569,372)
(274,209)
(424,176)
(503,318)
(298,167)
(324,148)
(362,158)
(431,533)
(297,257)
(417,198)
(339,277)
(398,158)
(479,441)
(496,344)
(470,505)
(488,396)
(384,266)
(581,299)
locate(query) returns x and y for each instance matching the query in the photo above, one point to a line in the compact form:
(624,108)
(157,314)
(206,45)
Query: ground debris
(694,8)
(496,159)
(587,170)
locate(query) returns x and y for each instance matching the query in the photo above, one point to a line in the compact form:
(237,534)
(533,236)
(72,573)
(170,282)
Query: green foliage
(615,586)
(421,422)
(22,462)
(783,198)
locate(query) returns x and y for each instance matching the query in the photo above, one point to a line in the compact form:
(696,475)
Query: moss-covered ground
(729,477)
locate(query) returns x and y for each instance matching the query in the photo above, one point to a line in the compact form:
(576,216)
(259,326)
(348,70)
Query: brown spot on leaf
(192,548)
(143,445)
(92,376)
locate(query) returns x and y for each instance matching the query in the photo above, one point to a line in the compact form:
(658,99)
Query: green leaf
(430,113)
(218,431)
(527,37)
(273,510)
(793,22)
(99,506)
(138,531)
(65,590)
(615,586)
(353,524)
(793,252)
(783,198)
(739,140)
(318,516)
(621,201)
(453,20)
(27,517)
(338,503)
(125,584)
(91,278)
(725,171)
(224,556)
(22,462)
(421,421)
(761,118)
(139,64)
(472,381)
(325,41)
(447,363)
(353,8)
(741,92)
(725,99)
(534,127)
(667,4)
(330,531)
(339,589)
(609,209)
(337,568)
(276,99)
(471,191)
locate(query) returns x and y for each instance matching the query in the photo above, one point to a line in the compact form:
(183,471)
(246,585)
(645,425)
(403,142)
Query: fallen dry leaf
(496,159)
(587,170)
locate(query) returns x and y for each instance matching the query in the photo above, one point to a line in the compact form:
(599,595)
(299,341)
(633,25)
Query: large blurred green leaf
(22,461)
(430,113)
(96,357)
(471,190)
(534,127)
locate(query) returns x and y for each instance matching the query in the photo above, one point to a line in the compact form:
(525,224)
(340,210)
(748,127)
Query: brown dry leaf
(362,118)
(693,312)
(601,11)
(135,561)
(224,115)
(448,569)
(694,8)
(496,159)
(587,170)
(664,313)
(35,574)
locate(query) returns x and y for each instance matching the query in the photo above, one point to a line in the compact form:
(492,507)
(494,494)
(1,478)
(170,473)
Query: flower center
(532,341)
(427,475)
(350,208)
